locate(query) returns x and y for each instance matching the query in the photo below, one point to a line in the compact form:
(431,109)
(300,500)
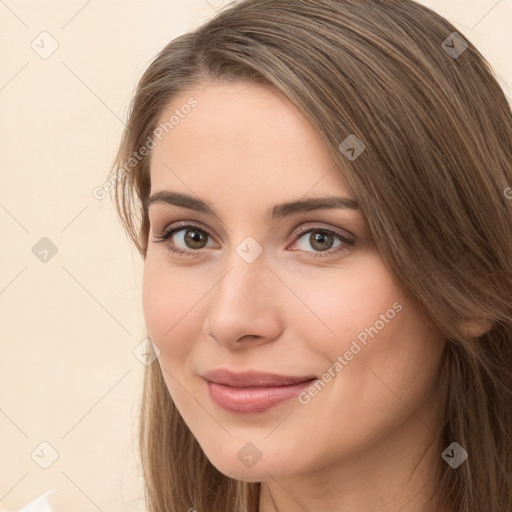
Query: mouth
(252,392)
(252,378)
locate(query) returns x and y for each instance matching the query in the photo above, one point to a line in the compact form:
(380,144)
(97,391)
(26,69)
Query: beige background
(69,326)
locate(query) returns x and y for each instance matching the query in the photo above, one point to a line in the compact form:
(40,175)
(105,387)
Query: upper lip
(252,378)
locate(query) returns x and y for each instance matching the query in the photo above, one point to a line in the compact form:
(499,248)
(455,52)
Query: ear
(477,328)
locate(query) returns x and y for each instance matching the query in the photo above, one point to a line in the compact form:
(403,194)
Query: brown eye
(190,242)
(195,238)
(322,241)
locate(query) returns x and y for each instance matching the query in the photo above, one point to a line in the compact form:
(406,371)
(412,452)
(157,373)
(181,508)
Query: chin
(237,464)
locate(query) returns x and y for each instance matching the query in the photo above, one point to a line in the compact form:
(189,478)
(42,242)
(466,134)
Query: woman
(318,190)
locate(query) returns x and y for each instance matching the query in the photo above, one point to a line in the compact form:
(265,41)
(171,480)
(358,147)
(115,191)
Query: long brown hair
(432,180)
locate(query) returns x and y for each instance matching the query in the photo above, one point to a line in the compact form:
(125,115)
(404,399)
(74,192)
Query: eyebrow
(277,211)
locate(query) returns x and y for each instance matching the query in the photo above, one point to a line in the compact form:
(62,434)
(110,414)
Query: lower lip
(252,400)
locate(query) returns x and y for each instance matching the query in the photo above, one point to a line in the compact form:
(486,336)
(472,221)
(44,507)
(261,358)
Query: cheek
(386,361)
(366,326)
(346,302)
(169,303)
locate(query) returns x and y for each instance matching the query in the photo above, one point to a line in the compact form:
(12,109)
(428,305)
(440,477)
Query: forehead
(241,136)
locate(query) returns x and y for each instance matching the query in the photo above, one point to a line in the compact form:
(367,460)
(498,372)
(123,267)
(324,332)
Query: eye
(322,240)
(192,236)
(194,239)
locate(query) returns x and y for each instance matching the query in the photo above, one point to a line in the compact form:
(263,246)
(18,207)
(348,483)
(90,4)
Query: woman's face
(284,295)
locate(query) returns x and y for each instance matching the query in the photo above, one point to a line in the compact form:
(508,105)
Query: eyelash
(167,234)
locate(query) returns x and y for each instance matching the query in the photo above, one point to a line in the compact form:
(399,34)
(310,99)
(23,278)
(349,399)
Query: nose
(245,306)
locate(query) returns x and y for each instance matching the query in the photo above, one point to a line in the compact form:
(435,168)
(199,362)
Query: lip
(252,392)
(252,378)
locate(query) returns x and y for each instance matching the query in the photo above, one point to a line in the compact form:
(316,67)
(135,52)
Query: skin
(353,447)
